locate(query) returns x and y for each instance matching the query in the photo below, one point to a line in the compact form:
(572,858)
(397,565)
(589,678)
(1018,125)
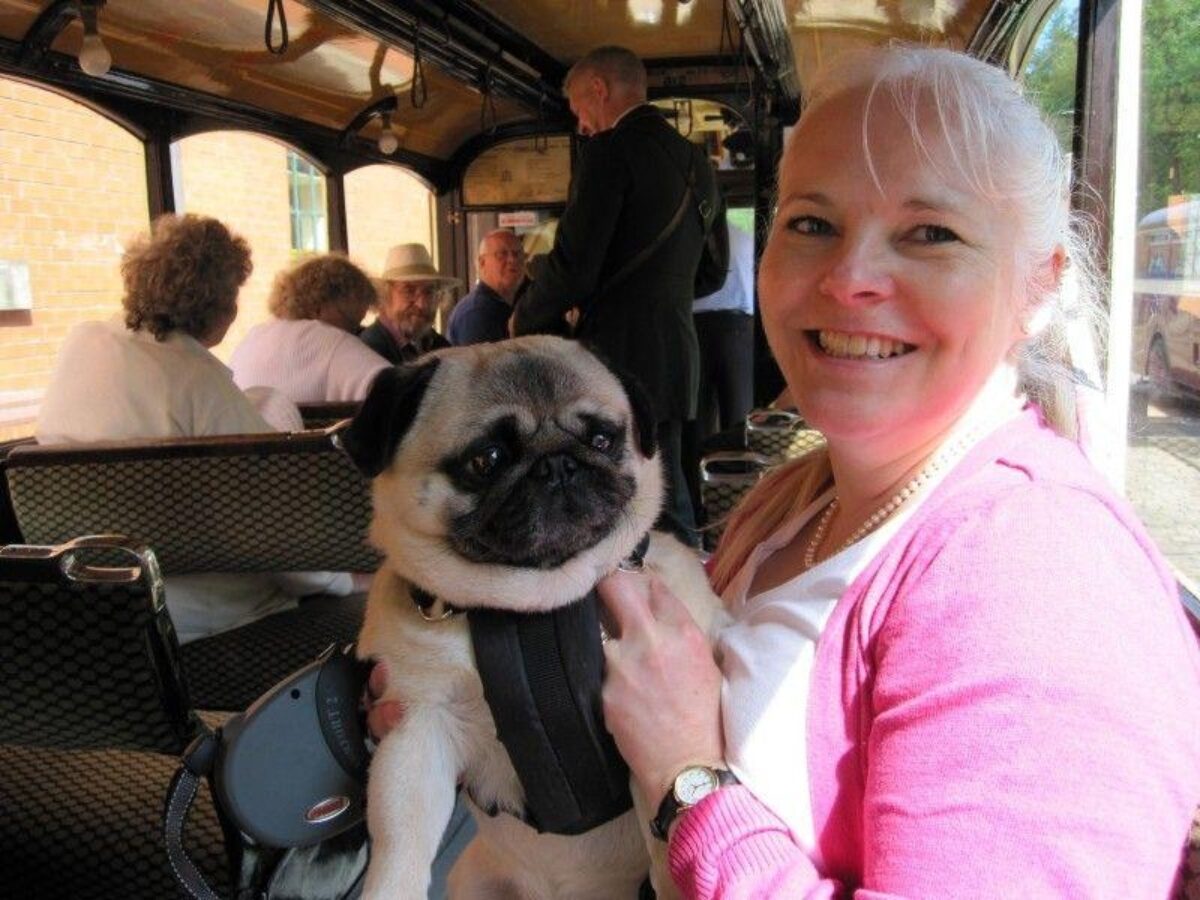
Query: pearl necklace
(949,453)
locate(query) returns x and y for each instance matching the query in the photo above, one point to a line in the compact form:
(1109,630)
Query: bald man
(482,315)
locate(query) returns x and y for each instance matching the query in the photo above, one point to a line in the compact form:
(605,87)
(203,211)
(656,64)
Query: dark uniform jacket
(627,184)
(379,339)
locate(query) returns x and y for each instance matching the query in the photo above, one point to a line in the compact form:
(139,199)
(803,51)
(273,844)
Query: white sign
(526,218)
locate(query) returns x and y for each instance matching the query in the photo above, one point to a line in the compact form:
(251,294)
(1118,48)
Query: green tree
(1170,145)
(1049,75)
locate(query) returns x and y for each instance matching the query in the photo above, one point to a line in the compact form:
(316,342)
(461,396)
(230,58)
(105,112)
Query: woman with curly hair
(310,351)
(148,373)
(153,363)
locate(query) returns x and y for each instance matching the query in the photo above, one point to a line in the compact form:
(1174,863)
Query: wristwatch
(691,786)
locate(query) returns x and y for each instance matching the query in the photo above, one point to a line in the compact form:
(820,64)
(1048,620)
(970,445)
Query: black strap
(646,252)
(541,677)
(198,762)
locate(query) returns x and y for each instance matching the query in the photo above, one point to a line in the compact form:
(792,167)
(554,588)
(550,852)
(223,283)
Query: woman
(958,666)
(150,374)
(310,351)
(154,362)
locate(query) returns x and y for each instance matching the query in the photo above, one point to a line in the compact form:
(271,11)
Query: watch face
(695,783)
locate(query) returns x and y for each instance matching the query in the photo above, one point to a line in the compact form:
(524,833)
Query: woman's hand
(662,689)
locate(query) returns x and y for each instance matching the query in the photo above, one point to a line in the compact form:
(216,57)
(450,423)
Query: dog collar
(431,608)
(434,609)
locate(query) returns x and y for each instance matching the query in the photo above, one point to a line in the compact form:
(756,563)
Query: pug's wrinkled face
(511,474)
(544,479)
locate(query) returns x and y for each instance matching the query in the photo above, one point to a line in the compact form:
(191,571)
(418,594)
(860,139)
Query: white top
(309,361)
(737,293)
(112,384)
(767,653)
(767,658)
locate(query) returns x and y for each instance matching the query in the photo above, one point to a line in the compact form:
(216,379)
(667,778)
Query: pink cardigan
(1005,703)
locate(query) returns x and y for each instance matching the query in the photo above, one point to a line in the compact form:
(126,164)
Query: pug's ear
(643,412)
(376,431)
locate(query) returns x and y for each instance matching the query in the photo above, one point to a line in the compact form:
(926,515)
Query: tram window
(385,205)
(72,190)
(306,199)
(1049,70)
(254,198)
(1163,463)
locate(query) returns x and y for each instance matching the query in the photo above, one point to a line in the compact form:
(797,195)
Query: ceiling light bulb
(94,57)
(388,142)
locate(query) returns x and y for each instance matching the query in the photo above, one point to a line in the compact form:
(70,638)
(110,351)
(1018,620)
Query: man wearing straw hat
(403,327)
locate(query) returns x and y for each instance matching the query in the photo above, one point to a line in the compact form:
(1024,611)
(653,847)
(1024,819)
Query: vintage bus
(311,126)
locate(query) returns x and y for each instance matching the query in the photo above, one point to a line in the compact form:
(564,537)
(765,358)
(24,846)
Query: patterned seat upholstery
(261,503)
(93,716)
(258,503)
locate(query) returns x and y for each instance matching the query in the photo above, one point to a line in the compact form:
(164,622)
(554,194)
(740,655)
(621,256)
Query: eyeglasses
(507,254)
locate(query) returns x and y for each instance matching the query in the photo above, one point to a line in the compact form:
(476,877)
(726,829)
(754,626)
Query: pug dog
(509,476)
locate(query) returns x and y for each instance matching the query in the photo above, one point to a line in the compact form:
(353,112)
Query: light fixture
(94,57)
(389,141)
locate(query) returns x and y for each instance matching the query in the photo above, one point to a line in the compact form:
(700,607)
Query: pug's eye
(601,441)
(483,463)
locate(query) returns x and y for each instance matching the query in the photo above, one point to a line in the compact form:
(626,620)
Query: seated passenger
(958,666)
(310,351)
(404,327)
(482,315)
(152,376)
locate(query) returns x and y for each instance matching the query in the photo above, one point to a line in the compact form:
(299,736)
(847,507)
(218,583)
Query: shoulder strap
(646,252)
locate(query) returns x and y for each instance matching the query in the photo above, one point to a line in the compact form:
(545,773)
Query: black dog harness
(541,675)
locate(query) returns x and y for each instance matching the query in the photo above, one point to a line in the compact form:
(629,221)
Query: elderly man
(403,327)
(628,246)
(482,315)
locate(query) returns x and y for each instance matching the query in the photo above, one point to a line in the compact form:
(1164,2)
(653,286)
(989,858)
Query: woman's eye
(485,461)
(934,234)
(601,441)
(809,225)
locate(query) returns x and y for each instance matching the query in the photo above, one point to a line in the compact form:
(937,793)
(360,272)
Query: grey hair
(997,141)
(491,234)
(618,66)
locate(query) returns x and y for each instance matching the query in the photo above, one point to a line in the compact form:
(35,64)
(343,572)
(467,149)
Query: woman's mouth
(847,345)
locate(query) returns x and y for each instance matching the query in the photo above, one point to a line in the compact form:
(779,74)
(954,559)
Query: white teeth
(842,344)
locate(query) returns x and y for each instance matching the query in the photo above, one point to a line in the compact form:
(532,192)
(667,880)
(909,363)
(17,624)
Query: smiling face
(887,308)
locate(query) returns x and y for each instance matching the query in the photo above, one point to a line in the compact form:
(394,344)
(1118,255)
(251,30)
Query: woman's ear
(1047,281)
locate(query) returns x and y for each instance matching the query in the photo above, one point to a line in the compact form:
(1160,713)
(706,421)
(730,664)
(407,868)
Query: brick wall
(72,189)
(72,192)
(386,206)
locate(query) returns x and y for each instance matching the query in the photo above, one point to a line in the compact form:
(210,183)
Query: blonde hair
(1000,144)
(331,280)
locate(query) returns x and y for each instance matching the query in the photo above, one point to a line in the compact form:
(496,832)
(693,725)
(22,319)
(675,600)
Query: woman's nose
(858,272)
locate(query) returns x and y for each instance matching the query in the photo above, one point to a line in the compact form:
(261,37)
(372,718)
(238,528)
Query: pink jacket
(1005,703)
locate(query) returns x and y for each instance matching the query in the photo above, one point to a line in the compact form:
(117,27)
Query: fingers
(626,599)
(382,715)
(377,681)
